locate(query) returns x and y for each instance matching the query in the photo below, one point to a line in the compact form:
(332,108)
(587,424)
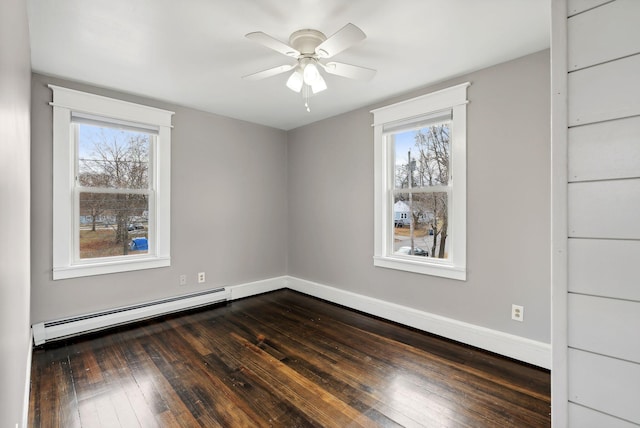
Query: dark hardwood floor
(280,359)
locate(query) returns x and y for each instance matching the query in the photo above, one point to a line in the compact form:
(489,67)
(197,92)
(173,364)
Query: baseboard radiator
(55,330)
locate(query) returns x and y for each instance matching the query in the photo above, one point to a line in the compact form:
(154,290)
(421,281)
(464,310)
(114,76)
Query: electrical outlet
(517,313)
(201,277)
(183,279)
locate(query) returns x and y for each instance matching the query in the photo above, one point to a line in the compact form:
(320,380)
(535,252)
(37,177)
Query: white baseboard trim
(519,348)
(27,385)
(257,287)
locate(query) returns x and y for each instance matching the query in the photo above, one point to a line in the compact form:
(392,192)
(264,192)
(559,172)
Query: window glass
(421,168)
(113,181)
(113,224)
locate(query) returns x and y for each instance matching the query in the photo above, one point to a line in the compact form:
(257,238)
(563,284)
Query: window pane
(113,224)
(113,158)
(420,224)
(422,156)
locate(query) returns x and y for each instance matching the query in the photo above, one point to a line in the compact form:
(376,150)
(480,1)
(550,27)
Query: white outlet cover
(517,313)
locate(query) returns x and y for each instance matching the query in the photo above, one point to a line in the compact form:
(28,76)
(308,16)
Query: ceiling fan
(310,48)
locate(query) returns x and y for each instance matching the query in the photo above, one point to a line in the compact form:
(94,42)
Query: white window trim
(66,101)
(454,99)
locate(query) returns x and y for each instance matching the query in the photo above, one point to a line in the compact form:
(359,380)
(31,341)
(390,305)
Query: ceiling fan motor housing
(306,41)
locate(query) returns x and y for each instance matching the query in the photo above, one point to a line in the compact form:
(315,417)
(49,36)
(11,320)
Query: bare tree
(433,170)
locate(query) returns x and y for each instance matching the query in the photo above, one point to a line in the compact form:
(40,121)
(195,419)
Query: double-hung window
(420,184)
(111,203)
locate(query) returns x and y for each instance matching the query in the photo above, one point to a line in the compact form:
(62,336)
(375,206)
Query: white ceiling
(193,52)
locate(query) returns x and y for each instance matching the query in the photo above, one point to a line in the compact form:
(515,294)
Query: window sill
(77,271)
(424,268)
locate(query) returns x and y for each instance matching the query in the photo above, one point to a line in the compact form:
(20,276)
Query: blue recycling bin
(139,244)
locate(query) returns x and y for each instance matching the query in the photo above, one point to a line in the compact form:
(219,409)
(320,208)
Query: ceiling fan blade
(268,73)
(344,38)
(271,43)
(348,70)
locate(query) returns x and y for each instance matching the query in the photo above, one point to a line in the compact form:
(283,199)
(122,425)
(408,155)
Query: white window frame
(67,102)
(452,99)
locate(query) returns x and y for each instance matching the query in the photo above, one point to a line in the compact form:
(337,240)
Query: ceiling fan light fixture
(295,81)
(311,73)
(319,85)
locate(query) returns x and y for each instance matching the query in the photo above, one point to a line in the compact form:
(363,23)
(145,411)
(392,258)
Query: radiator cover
(58,329)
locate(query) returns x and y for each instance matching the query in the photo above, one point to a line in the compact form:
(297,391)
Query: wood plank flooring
(281,359)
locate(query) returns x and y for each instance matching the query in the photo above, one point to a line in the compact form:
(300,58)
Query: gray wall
(15,339)
(508,245)
(228,210)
